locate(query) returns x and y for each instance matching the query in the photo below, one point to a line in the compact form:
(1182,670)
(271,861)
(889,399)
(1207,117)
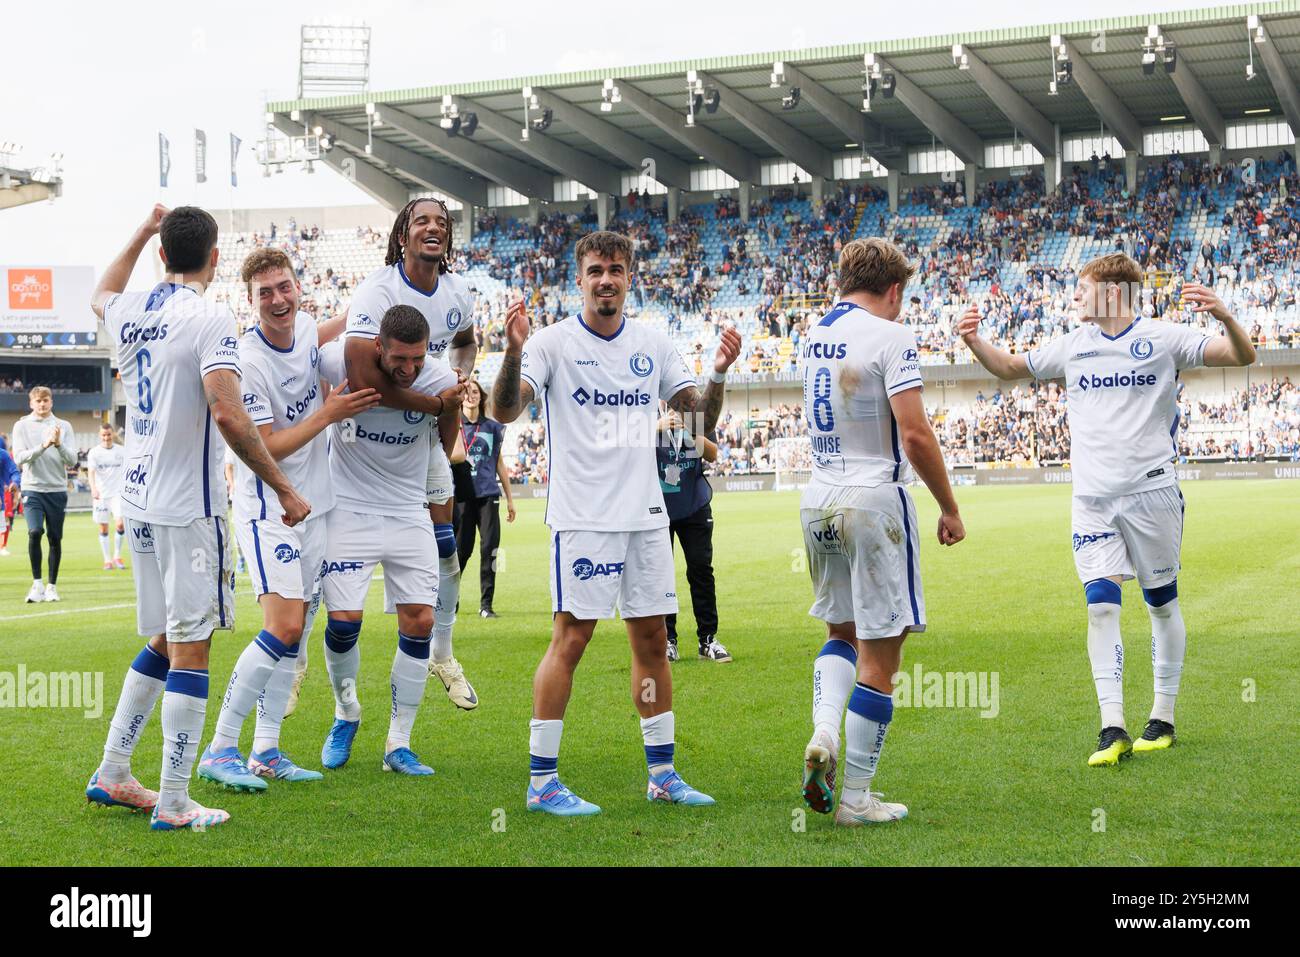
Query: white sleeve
(257,398)
(1186,343)
(1048,361)
(365,312)
(674,376)
(900,363)
(120,303)
(215,344)
(536,363)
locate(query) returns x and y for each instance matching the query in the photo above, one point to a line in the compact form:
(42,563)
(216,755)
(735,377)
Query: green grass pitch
(1010,789)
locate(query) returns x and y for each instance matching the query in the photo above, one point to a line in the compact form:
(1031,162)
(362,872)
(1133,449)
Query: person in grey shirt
(43,449)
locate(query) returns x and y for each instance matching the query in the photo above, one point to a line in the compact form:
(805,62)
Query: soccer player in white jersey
(869,431)
(104,465)
(378,463)
(415,274)
(283,395)
(1121,382)
(600,379)
(179,363)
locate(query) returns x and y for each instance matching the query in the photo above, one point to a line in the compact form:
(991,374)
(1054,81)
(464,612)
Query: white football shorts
(184,580)
(281,560)
(1134,536)
(865,563)
(355,543)
(592,573)
(106,509)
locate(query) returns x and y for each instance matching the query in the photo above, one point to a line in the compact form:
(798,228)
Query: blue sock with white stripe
(184,706)
(140,691)
(247,682)
(834,673)
(870,712)
(659,734)
(406,681)
(343,662)
(544,750)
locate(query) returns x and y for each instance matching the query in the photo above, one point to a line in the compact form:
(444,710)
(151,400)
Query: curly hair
(398,235)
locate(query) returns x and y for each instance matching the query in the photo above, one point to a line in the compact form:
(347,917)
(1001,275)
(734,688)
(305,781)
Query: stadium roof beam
(668,169)
(788,142)
(952,132)
(1035,127)
(1199,104)
(736,162)
(880,142)
(506,170)
(433,175)
(1123,124)
(1280,77)
(561,157)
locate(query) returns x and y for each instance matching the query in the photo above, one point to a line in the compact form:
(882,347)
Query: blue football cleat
(274,764)
(227,768)
(336,750)
(669,786)
(555,798)
(405,761)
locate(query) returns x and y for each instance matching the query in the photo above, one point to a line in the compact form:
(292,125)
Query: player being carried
(600,379)
(1121,382)
(415,274)
(378,463)
(283,394)
(869,431)
(179,364)
(104,465)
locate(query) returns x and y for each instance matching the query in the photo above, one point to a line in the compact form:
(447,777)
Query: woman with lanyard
(478,505)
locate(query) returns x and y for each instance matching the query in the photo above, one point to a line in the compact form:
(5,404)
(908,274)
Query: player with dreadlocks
(414,274)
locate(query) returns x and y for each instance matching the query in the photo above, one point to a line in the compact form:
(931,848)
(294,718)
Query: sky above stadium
(98,85)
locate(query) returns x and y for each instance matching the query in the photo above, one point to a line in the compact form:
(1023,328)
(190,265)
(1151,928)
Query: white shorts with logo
(438,483)
(107,508)
(355,543)
(184,580)
(1135,536)
(281,560)
(865,563)
(592,573)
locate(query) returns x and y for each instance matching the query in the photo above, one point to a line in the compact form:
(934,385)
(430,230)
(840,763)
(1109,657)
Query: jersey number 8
(823,415)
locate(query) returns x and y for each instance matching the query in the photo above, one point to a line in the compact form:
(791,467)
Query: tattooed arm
(510,394)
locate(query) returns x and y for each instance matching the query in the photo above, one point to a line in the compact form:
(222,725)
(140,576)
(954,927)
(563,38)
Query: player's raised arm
(1000,362)
(118,273)
(700,410)
(922,450)
(361,365)
(338,405)
(510,392)
(1234,347)
(221,389)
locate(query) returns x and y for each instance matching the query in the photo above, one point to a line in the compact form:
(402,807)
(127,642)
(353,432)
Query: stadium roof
(1003,90)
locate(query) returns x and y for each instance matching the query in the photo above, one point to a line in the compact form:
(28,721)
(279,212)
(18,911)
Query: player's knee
(445,535)
(289,633)
(341,635)
(1160,600)
(35,536)
(416,622)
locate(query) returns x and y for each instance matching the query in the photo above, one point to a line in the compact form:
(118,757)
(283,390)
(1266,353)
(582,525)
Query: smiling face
(603,281)
(106,436)
(275,293)
(428,234)
(401,361)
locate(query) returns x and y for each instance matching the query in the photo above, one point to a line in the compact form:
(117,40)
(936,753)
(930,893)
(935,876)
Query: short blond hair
(872,265)
(40,392)
(263,259)
(1113,267)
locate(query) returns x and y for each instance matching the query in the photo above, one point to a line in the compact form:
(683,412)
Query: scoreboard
(46,306)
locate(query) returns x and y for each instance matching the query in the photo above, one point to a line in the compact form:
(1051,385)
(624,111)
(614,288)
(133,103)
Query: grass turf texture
(1012,789)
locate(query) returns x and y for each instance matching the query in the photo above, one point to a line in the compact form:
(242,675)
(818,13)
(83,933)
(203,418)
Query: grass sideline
(1011,789)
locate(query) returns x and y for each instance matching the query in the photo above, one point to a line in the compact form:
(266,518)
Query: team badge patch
(641,365)
(1141,349)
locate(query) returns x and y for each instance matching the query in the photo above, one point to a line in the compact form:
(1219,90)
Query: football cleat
(4,552)
(227,768)
(196,817)
(128,794)
(405,761)
(487,613)
(36,594)
(453,679)
(108,566)
(1156,736)
(336,750)
(873,811)
(668,786)
(119,564)
(298,678)
(1112,744)
(712,650)
(51,593)
(819,763)
(555,798)
(274,764)
(672,651)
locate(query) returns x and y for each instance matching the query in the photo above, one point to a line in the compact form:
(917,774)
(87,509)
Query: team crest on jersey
(641,365)
(1141,348)
(453,317)
(415,418)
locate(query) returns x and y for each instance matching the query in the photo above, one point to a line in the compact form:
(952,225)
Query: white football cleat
(452,676)
(37,593)
(51,593)
(874,811)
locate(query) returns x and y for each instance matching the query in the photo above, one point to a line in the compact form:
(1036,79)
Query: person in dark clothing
(687,494)
(478,496)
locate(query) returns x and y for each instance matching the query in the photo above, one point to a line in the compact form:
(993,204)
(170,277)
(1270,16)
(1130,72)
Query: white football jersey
(449,309)
(853,362)
(601,397)
(1121,401)
(281,388)
(107,464)
(167,340)
(380,458)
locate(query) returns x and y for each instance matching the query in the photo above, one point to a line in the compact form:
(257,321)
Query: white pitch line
(68,611)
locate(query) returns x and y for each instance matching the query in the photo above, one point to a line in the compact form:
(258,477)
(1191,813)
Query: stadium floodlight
(711,100)
(791,100)
(778,75)
(269,117)
(523,134)
(1148,63)
(542,123)
(959,57)
(378,119)
(317,129)
(450,120)
(469,123)
(370,110)
(1051,88)
(1255,28)
(295,115)
(1250,72)
(1169,56)
(609,95)
(692,77)
(887,84)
